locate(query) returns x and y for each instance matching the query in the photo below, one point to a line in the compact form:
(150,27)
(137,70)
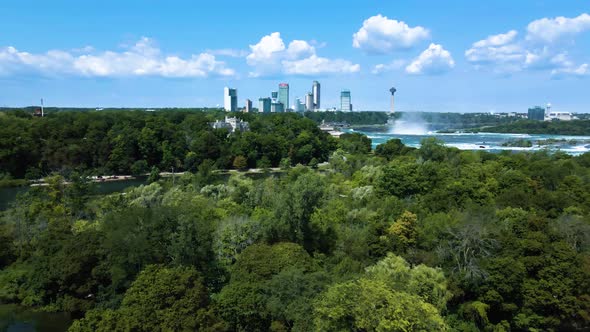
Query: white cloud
(270,57)
(299,49)
(552,29)
(142,59)
(501,50)
(497,40)
(539,50)
(380,35)
(580,71)
(266,49)
(318,65)
(13,61)
(394,65)
(434,60)
(230,52)
(547,59)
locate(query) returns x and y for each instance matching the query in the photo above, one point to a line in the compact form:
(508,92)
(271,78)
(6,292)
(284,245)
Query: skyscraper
(315,90)
(274,95)
(345,105)
(277,107)
(248,108)
(299,106)
(309,101)
(284,94)
(230,99)
(264,105)
(536,113)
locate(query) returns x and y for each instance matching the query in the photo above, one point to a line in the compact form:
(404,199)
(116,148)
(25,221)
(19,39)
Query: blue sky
(458,56)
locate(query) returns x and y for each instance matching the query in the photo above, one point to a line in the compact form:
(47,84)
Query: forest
(112,142)
(351,118)
(573,127)
(391,239)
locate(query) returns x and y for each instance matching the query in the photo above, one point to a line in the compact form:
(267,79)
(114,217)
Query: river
(14,318)
(8,195)
(478,141)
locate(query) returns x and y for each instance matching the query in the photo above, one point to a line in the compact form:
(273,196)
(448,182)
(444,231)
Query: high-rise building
(274,95)
(299,106)
(277,107)
(345,105)
(264,105)
(309,102)
(536,113)
(230,99)
(248,108)
(315,90)
(284,94)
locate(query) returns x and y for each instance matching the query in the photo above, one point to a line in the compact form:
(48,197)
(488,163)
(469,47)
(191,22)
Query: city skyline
(498,57)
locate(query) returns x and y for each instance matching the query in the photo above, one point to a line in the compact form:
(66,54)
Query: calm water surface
(14,318)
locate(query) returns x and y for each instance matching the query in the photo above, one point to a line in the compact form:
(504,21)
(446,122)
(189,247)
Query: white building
(232,124)
(562,116)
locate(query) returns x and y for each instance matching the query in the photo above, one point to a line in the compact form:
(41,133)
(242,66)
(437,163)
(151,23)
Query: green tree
(240,163)
(154,175)
(370,305)
(392,148)
(160,299)
(404,230)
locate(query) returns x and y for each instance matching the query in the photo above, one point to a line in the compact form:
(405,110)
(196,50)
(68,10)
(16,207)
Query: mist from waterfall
(409,124)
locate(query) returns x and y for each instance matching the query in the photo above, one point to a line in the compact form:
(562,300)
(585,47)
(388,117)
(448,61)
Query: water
(480,141)
(9,194)
(15,318)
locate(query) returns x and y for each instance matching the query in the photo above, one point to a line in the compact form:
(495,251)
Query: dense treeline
(435,120)
(460,120)
(401,239)
(133,142)
(573,127)
(352,118)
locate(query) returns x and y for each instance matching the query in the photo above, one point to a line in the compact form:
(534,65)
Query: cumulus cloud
(497,40)
(394,65)
(501,50)
(13,61)
(270,56)
(141,59)
(538,50)
(269,48)
(318,65)
(553,29)
(381,35)
(434,60)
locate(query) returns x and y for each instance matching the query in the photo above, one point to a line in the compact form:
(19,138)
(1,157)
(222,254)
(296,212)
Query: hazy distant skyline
(447,56)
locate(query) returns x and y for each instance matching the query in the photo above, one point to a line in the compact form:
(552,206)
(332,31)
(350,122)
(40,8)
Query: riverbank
(11,183)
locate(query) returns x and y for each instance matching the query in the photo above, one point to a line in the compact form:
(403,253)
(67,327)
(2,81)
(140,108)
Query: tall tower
(315,90)
(392,90)
(284,94)
(230,99)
